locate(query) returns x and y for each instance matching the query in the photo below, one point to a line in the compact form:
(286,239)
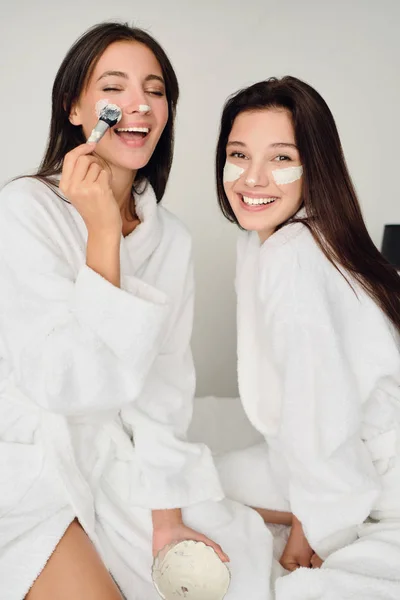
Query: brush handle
(98,132)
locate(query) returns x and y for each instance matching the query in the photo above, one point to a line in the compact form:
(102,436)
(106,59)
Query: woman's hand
(298,551)
(168,528)
(86,183)
(177,533)
(316,561)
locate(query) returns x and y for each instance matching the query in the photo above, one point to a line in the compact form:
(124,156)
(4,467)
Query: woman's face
(129,75)
(263,172)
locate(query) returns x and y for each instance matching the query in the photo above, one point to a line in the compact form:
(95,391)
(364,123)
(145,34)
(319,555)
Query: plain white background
(348,50)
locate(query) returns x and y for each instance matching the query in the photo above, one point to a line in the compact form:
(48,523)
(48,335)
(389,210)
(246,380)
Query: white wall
(349,50)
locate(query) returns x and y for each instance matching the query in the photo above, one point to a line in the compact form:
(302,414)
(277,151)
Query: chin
(131,163)
(130,159)
(134,165)
(252,223)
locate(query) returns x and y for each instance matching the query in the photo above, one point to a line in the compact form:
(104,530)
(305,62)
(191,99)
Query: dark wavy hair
(333,212)
(72,76)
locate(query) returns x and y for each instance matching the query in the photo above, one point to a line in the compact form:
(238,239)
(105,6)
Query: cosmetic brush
(109,116)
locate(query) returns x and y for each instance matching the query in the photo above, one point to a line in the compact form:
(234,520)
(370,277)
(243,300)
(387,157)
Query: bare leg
(275,517)
(74,570)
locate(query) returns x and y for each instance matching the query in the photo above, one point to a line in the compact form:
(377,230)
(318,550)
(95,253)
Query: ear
(75,115)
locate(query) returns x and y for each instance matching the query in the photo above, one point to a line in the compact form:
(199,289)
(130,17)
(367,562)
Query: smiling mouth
(132,133)
(257,201)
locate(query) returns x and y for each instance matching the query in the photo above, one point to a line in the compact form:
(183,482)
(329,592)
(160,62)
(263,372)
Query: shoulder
(292,251)
(293,240)
(29,209)
(294,272)
(25,195)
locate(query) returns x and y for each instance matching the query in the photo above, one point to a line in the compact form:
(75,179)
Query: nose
(137,105)
(257,175)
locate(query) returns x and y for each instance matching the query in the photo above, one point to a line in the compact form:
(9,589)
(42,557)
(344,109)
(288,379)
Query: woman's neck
(121,185)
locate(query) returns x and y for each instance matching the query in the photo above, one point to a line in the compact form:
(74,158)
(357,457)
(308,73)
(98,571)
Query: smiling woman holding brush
(96,374)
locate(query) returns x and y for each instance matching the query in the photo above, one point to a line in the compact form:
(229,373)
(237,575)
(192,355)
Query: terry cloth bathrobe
(319,377)
(96,388)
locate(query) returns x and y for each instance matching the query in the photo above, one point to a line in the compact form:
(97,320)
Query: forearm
(275,517)
(166,518)
(103,256)
(296,523)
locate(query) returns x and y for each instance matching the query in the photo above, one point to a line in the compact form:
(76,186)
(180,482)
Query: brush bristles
(111,114)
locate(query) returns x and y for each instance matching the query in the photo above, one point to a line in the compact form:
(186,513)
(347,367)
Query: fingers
(103,163)
(217,548)
(304,562)
(289,565)
(72,157)
(93,173)
(316,561)
(104,177)
(181,532)
(82,167)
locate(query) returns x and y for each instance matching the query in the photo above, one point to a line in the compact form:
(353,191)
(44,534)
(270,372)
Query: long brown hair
(333,212)
(71,78)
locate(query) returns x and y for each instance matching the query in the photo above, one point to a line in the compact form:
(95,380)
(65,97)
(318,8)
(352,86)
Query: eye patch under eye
(288,175)
(281,176)
(231,172)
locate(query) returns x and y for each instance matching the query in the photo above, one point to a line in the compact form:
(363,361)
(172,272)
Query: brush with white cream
(109,116)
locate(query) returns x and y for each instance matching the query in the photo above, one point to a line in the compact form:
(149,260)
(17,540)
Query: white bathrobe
(319,377)
(96,388)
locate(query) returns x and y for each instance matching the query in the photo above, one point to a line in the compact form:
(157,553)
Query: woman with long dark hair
(97,380)
(318,345)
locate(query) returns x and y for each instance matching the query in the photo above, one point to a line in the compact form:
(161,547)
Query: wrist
(104,235)
(296,524)
(103,255)
(166,518)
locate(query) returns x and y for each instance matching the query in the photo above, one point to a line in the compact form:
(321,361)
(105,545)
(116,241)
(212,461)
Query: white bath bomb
(190,570)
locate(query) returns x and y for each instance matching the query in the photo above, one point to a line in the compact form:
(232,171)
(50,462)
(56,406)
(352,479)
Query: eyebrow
(284,145)
(150,77)
(234,143)
(113,74)
(276,145)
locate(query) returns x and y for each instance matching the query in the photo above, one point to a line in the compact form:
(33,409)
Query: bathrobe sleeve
(174,472)
(332,481)
(76,343)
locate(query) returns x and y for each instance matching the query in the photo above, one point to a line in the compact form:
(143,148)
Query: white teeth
(139,129)
(258,201)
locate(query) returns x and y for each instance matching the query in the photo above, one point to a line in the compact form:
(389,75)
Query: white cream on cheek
(231,172)
(100,104)
(288,175)
(281,176)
